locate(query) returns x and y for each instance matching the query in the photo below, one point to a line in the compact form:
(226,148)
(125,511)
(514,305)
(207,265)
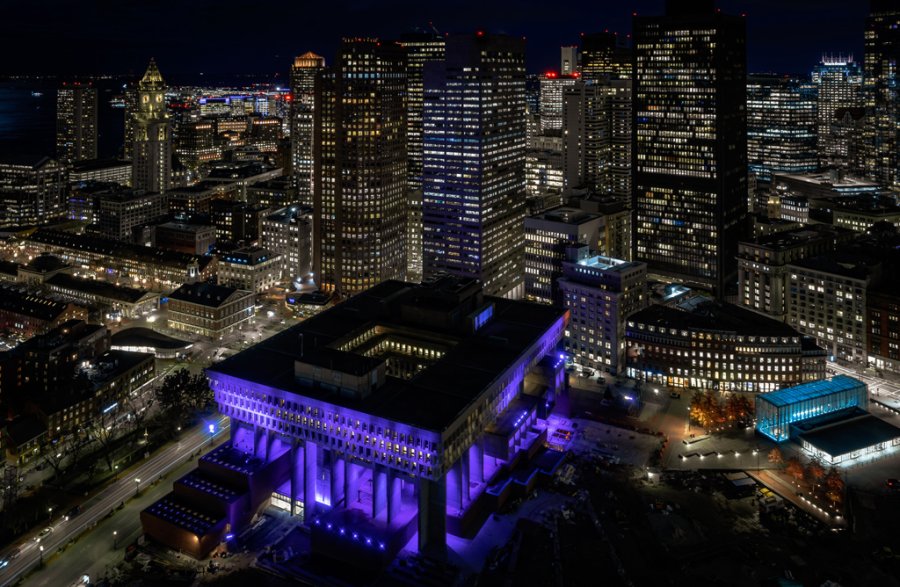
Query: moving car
(44,533)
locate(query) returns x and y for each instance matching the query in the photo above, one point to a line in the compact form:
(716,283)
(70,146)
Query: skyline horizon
(122,39)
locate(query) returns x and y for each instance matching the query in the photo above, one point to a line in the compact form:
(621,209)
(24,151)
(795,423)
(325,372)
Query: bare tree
(10,486)
(139,406)
(102,429)
(54,453)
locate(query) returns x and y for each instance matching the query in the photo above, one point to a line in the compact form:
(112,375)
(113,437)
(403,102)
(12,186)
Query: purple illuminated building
(405,409)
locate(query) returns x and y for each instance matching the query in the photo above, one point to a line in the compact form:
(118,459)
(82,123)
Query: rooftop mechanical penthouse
(400,410)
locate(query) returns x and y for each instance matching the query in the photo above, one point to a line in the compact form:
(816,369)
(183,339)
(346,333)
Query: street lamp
(137,486)
(212,433)
(41,554)
(115,539)
(50,514)
(116,470)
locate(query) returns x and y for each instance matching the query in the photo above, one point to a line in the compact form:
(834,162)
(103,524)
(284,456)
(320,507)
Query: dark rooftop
(238,171)
(100,288)
(68,332)
(109,366)
(843,263)
(315,298)
(24,429)
(566,215)
(29,305)
(95,164)
(46,262)
(183,516)
(112,248)
(434,397)
(713,316)
(203,293)
(857,430)
(803,236)
(9,268)
(145,337)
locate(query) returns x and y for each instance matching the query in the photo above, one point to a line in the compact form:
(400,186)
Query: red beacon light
(479,33)
(551,75)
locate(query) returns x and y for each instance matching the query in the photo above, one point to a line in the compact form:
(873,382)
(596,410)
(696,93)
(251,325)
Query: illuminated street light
(137,486)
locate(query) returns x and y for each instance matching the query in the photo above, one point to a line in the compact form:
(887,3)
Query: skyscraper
(882,59)
(597,136)
(839,82)
(690,143)
(360,182)
(421,48)
(152,167)
(604,55)
(568,59)
(781,125)
(620,137)
(129,97)
(303,85)
(586,136)
(76,122)
(553,87)
(474,162)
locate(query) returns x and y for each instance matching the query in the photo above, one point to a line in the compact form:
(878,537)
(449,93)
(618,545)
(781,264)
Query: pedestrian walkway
(789,492)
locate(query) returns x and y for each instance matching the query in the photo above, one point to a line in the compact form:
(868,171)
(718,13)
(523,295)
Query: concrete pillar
(432,518)
(457,466)
(296,471)
(258,433)
(464,478)
(379,490)
(476,461)
(395,495)
(337,479)
(268,439)
(310,471)
(352,473)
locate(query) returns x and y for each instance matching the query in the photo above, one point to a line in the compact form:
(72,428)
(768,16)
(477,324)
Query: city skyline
(453,305)
(77,39)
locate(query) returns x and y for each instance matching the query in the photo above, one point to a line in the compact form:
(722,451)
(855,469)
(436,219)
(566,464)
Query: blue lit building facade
(474,162)
(398,412)
(777,411)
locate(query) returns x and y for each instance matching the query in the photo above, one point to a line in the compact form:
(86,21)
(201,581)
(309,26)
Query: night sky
(71,37)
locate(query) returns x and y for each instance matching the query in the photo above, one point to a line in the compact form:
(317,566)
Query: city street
(36,472)
(31,552)
(881,390)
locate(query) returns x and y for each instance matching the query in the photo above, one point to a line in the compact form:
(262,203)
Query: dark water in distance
(28,123)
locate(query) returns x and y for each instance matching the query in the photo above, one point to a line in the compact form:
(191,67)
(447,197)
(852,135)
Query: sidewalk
(789,493)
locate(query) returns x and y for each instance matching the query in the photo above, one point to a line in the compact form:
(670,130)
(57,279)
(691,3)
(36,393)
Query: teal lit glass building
(776,411)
